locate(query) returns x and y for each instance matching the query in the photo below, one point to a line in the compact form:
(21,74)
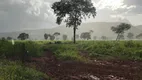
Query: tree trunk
(74,38)
(117,37)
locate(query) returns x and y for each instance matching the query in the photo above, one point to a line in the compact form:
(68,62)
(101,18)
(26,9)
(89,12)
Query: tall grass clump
(14,71)
(65,51)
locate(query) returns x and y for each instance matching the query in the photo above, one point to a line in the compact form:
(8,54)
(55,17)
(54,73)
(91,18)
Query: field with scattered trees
(47,56)
(83,57)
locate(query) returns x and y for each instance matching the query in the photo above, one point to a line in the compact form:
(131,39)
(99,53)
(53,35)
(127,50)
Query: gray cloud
(22,14)
(133,2)
(137,3)
(32,14)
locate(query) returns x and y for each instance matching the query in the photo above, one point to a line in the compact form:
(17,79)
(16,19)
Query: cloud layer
(31,14)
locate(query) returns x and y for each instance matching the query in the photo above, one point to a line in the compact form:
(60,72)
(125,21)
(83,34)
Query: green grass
(14,71)
(113,49)
(124,50)
(9,50)
(68,51)
(65,51)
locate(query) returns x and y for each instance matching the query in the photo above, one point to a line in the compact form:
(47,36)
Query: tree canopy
(9,38)
(23,36)
(72,12)
(52,37)
(120,29)
(46,36)
(85,35)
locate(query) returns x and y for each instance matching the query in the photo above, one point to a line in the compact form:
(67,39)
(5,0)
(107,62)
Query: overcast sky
(33,14)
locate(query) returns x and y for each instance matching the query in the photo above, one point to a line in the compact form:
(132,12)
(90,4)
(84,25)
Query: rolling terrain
(99,28)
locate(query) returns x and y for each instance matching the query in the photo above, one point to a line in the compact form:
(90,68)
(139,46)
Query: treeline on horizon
(119,30)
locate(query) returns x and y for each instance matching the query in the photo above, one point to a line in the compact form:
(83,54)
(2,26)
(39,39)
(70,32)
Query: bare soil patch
(97,70)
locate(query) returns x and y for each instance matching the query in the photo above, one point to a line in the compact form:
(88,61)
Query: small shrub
(129,44)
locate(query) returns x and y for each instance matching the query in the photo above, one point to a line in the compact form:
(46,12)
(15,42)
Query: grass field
(10,70)
(64,50)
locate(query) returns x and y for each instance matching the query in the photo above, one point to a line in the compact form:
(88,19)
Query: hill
(99,28)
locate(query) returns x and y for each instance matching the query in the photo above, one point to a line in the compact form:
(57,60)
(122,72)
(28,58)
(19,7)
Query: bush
(14,71)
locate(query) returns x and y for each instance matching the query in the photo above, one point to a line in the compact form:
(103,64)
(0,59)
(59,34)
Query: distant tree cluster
(8,38)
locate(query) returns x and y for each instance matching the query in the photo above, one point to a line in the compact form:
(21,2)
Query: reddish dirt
(97,70)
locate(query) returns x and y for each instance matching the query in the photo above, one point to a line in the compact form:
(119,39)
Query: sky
(18,15)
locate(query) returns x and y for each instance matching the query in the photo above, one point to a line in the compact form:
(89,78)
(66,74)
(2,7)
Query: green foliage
(14,71)
(112,49)
(56,34)
(46,36)
(9,38)
(74,9)
(120,29)
(68,51)
(33,48)
(9,50)
(65,51)
(72,12)
(52,37)
(23,36)
(85,35)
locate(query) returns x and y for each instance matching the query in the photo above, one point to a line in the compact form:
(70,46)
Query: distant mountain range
(99,28)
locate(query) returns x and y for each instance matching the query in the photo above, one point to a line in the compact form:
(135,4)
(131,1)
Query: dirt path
(97,70)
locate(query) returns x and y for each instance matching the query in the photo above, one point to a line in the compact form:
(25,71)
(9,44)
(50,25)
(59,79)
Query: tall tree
(65,37)
(85,35)
(73,12)
(120,29)
(52,37)
(23,36)
(56,34)
(46,36)
(130,35)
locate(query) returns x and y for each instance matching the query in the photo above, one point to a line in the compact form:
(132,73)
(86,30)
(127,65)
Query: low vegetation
(14,71)
(7,49)
(65,50)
